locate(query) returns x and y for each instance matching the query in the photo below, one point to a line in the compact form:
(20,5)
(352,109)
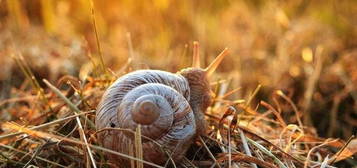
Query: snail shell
(158,101)
(169,107)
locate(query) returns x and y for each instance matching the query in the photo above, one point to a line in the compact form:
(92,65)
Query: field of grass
(290,75)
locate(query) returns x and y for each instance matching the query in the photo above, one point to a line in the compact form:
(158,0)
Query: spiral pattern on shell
(157,100)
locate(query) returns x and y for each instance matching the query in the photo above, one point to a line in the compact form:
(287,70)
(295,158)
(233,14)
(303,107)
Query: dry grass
(290,78)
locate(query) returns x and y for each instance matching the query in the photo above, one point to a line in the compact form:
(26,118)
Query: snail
(169,107)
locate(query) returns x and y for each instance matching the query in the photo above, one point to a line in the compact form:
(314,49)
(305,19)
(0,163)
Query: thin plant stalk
(100,53)
(209,152)
(267,152)
(246,147)
(80,127)
(57,138)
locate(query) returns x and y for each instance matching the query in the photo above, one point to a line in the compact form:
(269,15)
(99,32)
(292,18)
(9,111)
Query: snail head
(200,91)
(198,79)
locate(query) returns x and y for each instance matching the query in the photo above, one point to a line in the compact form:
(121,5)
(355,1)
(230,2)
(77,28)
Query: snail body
(169,108)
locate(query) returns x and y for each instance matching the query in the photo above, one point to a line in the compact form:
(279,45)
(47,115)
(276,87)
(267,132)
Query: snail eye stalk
(196,55)
(215,63)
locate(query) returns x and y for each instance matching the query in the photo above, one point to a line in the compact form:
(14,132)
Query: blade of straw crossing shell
(131,153)
(213,66)
(138,147)
(196,55)
(142,136)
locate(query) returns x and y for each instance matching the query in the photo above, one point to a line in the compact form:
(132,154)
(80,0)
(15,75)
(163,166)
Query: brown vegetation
(285,93)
